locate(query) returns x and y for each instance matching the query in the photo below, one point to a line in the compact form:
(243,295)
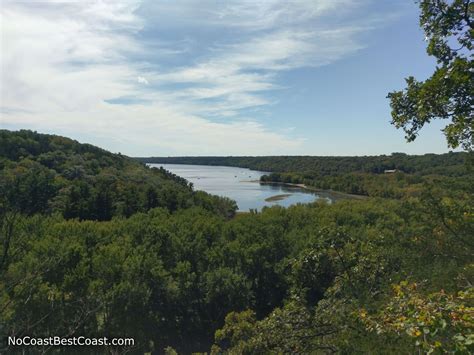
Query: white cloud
(245,15)
(61,61)
(280,36)
(142,80)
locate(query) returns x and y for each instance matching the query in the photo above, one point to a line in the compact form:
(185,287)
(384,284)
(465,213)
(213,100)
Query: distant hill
(449,164)
(43,173)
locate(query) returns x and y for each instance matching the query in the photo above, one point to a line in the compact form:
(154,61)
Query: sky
(210,77)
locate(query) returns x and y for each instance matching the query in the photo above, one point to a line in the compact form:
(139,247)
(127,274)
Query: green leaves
(449,92)
(438,321)
(48,174)
(448,26)
(167,264)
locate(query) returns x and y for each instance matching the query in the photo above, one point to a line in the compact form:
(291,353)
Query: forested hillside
(180,275)
(48,174)
(95,244)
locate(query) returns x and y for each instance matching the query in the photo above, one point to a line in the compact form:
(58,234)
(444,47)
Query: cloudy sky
(213,77)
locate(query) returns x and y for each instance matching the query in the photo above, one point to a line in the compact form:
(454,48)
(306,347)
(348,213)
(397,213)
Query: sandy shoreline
(334,195)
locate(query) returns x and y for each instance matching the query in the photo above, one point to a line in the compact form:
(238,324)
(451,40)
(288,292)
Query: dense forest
(450,164)
(98,244)
(185,275)
(48,174)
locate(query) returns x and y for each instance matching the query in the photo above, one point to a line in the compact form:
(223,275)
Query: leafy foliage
(48,174)
(438,321)
(449,92)
(300,275)
(94,243)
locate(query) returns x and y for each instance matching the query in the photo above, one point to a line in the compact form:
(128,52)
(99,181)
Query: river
(240,185)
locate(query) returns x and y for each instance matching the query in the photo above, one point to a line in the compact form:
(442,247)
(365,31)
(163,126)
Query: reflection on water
(236,183)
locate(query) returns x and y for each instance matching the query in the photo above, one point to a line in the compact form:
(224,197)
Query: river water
(240,185)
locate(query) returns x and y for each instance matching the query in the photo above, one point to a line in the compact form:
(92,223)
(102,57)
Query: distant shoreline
(334,195)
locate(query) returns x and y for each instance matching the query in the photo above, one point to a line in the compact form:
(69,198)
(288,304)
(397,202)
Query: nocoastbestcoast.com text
(69,341)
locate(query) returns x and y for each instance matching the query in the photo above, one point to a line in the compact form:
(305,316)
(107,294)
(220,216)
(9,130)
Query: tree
(439,321)
(449,92)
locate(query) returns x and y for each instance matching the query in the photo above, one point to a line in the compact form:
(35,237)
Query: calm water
(236,183)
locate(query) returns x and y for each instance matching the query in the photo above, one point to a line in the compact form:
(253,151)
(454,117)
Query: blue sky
(214,77)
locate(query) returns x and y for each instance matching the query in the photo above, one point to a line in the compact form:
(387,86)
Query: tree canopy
(49,174)
(97,244)
(449,93)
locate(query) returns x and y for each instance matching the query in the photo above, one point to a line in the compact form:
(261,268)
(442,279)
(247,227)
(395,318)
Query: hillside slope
(43,173)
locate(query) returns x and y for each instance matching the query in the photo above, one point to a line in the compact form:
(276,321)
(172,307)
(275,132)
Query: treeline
(375,275)
(52,174)
(394,185)
(449,164)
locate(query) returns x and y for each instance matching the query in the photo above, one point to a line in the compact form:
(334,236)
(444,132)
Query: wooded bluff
(95,243)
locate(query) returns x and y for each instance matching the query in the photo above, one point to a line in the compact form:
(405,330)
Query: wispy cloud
(86,66)
(142,80)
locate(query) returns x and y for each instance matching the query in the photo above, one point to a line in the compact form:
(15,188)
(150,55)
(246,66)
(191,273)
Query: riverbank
(331,194)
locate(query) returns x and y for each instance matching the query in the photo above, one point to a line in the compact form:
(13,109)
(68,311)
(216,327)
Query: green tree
(449,92)
(439,321)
